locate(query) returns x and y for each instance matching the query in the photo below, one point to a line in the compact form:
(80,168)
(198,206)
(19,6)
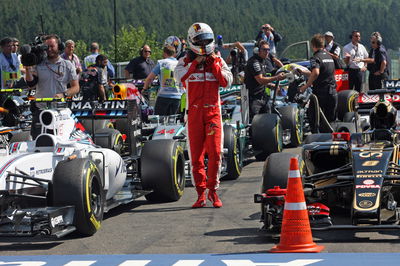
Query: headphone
(61,44)
(351,35)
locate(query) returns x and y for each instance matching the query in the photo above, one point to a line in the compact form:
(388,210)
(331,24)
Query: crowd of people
(198,71)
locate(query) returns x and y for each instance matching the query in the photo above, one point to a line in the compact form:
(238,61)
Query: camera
(35,52)
(234,52)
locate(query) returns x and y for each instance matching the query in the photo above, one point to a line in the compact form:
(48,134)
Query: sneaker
(201,200)
(213,197)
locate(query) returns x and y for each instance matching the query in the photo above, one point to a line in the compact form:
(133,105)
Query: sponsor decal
(367,195)
(56,220)
(163,131)
(369,176)
(370,163)
(342,77)
(392,84)
(44,171)
(368,186)
(370,154)
(104,105)
(368,182)
(369,171)
(365,203)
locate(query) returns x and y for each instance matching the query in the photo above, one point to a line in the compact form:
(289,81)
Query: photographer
(51,77)
(237,57)
(202,72)
(268,34)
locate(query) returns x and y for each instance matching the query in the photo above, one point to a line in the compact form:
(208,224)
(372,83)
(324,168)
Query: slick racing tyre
(98,124)
(78,183)
(109,138)
(291,120)
(163,170)
(266,133)
(347,101)
(233,157)
(276,170)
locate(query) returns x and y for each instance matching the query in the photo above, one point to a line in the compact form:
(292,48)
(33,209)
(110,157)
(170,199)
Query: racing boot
(201,200)
(213,197)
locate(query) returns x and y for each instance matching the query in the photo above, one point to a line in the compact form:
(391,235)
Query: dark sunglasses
(146,51)
(373,42)
(265,49)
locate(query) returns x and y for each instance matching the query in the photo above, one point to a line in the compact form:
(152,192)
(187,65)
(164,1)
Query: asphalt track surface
(175,228)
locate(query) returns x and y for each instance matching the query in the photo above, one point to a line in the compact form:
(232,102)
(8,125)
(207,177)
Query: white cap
(328,33)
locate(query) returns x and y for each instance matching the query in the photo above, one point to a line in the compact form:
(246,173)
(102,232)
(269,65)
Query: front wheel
(78,183)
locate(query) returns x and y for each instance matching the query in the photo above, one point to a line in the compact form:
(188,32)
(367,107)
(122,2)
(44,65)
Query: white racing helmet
(174,42)
(201,39)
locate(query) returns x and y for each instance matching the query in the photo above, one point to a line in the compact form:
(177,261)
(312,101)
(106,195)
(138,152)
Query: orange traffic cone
(296,231)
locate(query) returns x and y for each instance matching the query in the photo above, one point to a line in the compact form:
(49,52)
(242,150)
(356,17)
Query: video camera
(35,52)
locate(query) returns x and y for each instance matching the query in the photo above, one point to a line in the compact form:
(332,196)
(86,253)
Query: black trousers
(327,99)
(355,79)
(375,81)
(166,106)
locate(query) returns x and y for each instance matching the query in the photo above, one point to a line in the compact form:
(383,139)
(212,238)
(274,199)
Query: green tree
(81,49)
(129,42)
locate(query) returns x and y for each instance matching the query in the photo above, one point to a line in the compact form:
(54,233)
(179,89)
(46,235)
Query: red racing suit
(204,121)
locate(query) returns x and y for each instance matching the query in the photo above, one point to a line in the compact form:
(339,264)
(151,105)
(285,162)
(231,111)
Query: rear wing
(126,110)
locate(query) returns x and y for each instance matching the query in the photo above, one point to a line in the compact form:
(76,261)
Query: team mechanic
(202,72)
(51,78)
(255,78)
(322,77)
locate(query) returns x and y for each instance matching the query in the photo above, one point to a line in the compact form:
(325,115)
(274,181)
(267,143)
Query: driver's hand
(200,58)
(280,76)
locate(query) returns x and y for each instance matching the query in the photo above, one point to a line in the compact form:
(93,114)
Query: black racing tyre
(321,137)
(109,138)
(291,120)
(349,117)
(266,133)
(233,158)
(276,170)
(98,124)
(21,136)
(163,170)
(122,125)
(77,182)
(347,100)
(313,114)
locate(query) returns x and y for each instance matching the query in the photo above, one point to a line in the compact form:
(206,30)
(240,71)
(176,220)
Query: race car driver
(202,72)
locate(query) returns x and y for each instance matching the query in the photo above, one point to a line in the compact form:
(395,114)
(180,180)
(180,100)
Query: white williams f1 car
(62,181)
